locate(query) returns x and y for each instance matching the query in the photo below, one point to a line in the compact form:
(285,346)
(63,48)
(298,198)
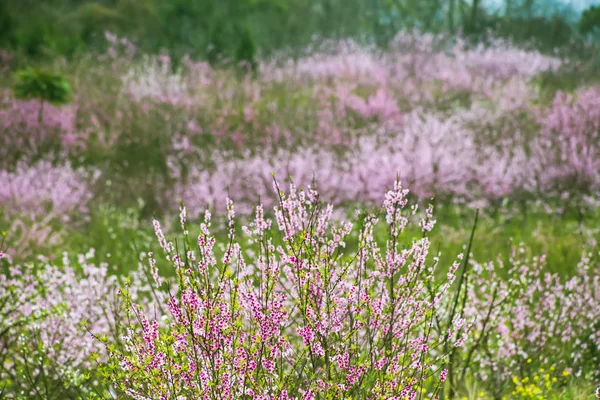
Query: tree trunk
(529,6)
(474,13)
(41,114)
(451,6)
(509,8)
(431,14)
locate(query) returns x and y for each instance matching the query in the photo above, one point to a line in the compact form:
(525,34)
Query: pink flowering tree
(291,311)
(525,320)
(569,143)
(44,346)
(44,349)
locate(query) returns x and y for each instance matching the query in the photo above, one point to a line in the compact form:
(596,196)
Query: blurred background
(114,111)
(246,29)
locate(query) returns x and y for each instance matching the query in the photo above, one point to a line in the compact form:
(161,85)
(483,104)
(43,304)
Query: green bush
(590,20)
(45,86)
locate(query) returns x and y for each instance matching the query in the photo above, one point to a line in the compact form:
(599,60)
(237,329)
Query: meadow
(418,221)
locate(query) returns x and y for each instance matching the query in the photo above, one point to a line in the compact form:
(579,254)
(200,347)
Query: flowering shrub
(34,201)
(44,348)
(436,155)
(294,314)
(441,155)
(298,305)
(43,188)
(417,62)
(570,139)
(28,129)
(533,319)
(427,107)
(337,92)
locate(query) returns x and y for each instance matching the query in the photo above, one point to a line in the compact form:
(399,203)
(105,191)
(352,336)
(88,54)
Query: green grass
(119,234)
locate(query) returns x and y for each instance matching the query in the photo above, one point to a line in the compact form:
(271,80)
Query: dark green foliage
(546,33)
(590,20)
(236,30)
(216,30)
(45,86)
(245,53)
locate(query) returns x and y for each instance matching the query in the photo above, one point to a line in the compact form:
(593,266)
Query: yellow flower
(566,373)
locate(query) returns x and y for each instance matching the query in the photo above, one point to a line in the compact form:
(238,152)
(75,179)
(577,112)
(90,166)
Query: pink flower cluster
(30,128)
(449,118)
(304,305)
(337,92)
(569,143)
(46,308)
(296,317)
(534,318)
(415,64)
(41,326)
(42,189)
(436,156)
